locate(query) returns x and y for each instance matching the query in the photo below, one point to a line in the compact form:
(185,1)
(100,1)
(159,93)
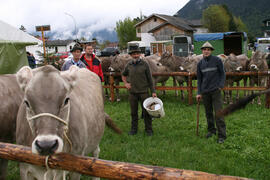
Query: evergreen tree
(232,24)
(241,27)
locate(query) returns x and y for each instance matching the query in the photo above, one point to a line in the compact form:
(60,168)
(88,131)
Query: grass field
(174,144)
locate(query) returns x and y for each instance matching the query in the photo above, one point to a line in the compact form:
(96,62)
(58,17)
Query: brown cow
(61,112)
(10,98)
(118,64)
(175,64)
(105,64)
(156,66)
(231,64)
(258,63)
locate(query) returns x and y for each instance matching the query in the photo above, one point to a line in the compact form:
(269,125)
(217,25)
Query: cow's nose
(46,147)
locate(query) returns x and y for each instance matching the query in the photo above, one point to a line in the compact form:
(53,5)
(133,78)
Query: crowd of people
(210,75)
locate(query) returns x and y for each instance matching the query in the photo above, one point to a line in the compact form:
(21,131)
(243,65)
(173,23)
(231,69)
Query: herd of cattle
(170,63)
(52,111)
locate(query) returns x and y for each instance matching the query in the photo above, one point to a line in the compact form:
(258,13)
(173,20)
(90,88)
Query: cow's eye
(27,103)
(66,101)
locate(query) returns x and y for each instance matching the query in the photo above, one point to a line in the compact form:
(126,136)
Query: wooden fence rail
(190,88)
(103,168)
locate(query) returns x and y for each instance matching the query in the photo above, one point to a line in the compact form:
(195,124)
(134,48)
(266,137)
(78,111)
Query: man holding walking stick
(210,80)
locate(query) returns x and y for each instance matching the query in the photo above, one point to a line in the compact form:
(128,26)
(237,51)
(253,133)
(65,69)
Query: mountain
(251,12)
(104,35)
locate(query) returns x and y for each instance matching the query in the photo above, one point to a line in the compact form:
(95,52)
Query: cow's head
(232,64)
(257,61)
(47,104)
(118,62)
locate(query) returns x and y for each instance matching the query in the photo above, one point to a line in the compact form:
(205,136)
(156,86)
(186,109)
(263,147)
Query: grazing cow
(175,64)
(61,112)
(10,98)
(258,63)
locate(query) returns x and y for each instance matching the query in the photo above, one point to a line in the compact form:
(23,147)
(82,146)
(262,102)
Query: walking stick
(198,113)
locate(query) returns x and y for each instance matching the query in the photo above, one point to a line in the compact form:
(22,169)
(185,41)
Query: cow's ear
(24,75)
(71,75)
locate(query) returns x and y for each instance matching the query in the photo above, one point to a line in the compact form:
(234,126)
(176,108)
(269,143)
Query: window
(155,19)
(267,23)
(264,41)
(139,30)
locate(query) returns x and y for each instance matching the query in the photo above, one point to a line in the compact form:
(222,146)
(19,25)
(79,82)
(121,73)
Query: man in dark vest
(140,81)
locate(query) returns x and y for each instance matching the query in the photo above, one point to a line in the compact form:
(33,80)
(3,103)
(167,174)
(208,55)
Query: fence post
(112,86)
(190,88)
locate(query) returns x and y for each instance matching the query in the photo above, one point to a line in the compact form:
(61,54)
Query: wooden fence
(190,88)
(103,168)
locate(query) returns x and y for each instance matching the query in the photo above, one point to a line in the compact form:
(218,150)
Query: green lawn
(245,153)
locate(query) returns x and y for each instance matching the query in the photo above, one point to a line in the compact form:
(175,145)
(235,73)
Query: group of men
(210,81)
(86,60)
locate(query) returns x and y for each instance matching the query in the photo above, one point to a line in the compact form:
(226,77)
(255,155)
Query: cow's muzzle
(47,144)
(46,147)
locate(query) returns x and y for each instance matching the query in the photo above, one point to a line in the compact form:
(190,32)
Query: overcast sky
(88,15)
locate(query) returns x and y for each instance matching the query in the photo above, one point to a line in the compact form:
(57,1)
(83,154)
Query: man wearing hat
(140,81)
(210,80)
(76,53)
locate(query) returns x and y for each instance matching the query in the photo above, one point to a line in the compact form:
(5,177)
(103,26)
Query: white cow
(61,112)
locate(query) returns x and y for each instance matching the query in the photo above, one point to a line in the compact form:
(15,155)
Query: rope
(29,119)
(46,163)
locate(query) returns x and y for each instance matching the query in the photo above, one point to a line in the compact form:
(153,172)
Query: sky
(86,16)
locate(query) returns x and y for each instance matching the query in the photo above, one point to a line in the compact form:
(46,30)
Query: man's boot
(134,127)
(148,126)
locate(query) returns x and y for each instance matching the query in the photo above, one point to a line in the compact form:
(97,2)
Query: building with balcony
(266,27)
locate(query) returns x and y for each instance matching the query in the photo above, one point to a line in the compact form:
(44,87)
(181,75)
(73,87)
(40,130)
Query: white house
(55,46)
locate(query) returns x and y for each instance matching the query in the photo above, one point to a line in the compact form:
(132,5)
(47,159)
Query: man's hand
(154,95)
(128,85)
(198,97)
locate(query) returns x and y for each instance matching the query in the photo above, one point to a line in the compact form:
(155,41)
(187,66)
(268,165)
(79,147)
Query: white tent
(12,48)
(10,33)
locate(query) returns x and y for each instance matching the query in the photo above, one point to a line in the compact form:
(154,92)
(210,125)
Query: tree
(139,19)
(232,24)
(126,31)
(240,25)
(216,19)
(104,44)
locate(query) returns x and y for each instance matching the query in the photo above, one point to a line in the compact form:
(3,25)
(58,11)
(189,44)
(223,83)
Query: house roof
(59,42)
(265,20)
(175,21)
(195,23)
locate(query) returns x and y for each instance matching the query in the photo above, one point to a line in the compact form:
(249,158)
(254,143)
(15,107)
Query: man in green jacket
(140,81)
